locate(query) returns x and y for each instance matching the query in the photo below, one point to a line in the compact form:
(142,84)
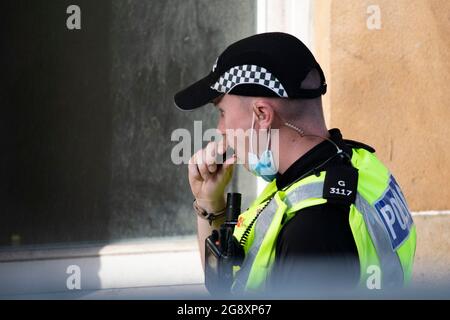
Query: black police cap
(270,64)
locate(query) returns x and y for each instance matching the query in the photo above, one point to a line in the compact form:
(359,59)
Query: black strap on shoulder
(357,144)
(340,185)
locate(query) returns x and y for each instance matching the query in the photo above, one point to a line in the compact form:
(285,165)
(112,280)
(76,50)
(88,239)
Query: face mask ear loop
(251,133)
(269,134)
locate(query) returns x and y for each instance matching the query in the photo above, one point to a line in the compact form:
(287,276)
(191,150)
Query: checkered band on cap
(249,74)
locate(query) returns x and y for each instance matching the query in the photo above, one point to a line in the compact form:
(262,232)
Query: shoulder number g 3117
(340,191)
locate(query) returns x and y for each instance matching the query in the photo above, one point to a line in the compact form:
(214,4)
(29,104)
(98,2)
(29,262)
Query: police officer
(332,215)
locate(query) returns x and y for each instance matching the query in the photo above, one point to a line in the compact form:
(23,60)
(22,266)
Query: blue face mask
(265,166)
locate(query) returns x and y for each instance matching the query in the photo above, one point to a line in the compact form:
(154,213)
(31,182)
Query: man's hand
(208,179)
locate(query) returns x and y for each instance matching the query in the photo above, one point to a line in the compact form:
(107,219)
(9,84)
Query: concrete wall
(103,270)
(86,115)
(158,48)
(388,87)
(55,123)
(86,120)
(432,264)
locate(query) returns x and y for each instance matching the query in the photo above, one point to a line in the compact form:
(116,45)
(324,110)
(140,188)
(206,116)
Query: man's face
(235,120)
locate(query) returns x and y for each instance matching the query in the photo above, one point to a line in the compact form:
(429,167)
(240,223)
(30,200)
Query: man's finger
(222,146)
(210,156)
(193,168)
(229,162)
(204,172)
(212,167)
(193,171)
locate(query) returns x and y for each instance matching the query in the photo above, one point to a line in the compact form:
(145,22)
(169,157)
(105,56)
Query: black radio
(222,250)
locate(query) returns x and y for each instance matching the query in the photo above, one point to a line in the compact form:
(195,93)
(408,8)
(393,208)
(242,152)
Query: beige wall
(389,87)
(432,262)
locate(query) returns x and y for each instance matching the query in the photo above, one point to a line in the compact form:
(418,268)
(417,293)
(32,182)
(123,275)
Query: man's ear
(264,112)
